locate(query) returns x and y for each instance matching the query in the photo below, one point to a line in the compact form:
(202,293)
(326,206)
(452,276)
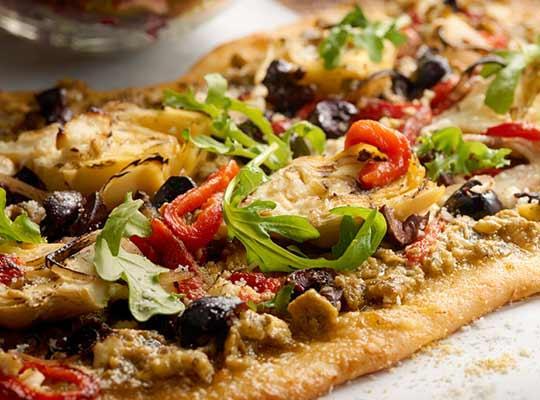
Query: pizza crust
(365,342)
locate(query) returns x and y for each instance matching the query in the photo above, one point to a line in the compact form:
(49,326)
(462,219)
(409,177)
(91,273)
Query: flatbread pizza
(301,208)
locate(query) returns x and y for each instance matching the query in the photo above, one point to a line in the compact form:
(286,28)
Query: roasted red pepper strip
(163,248)
(394,144)
(12,388)
(418,251)
(192,287)
(442,100)
(515,129)
(10,269)
(377,109)
(207,197)
(257,280)
(414,124)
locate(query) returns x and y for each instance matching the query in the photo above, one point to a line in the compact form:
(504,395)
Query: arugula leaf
(112,262)
(253,230)
(452,155)
(347,231)
(313,136)
(501,91)
(228,138)
(280,301)
(22,229)
(356,29)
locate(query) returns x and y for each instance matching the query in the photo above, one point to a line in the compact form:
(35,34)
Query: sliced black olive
(321,280)
(53,105)
(81,336)
(285,93)
(432,68)
(333,116)
(453,4)
(315,278)
(207,319)
(93,216)
(476,204)
(62,208)
(252,130)
(171,189)
(401,233)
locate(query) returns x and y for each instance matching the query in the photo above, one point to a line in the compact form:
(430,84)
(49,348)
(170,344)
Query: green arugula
(253,230)
(452,155)
(501,91)
(357,30)
(227,138)
(280,301)
(22,229)
(112,262)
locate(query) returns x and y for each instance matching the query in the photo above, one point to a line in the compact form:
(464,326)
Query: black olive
(252,130)
(53,105)
(333,117)
(93,216)
(171,189)
(207,319)
(453,4)
(62,208)
(81,336)
(321,280)
(285,93)
(431,69)
(315,278)
(167,325)
(401,233)
(465,201)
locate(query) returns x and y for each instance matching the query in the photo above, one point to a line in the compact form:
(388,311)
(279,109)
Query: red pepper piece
(207,197)
(12,388)
(442,100)
(389,141)
(414,124)
(418,251)
(163,248)
(377,109)
(498,40)
(281,126)
(10,269)
(515,129)
(192,288)
(306,110)
(257,280)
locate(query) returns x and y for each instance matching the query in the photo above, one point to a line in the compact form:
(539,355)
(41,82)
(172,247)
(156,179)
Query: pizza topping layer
(214,227)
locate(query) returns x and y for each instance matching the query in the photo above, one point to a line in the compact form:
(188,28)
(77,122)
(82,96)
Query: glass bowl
(99,26)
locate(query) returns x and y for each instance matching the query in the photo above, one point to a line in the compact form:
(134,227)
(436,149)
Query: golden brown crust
(369,341)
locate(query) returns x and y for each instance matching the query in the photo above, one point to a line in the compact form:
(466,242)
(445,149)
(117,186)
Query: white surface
(513,332)
(452,369)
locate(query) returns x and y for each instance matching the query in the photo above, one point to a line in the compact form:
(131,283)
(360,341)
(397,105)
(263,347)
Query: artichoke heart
(93,148)
(312,186)
(57,293)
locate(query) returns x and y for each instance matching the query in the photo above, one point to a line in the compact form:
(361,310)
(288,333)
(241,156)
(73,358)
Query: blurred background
(111,48)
